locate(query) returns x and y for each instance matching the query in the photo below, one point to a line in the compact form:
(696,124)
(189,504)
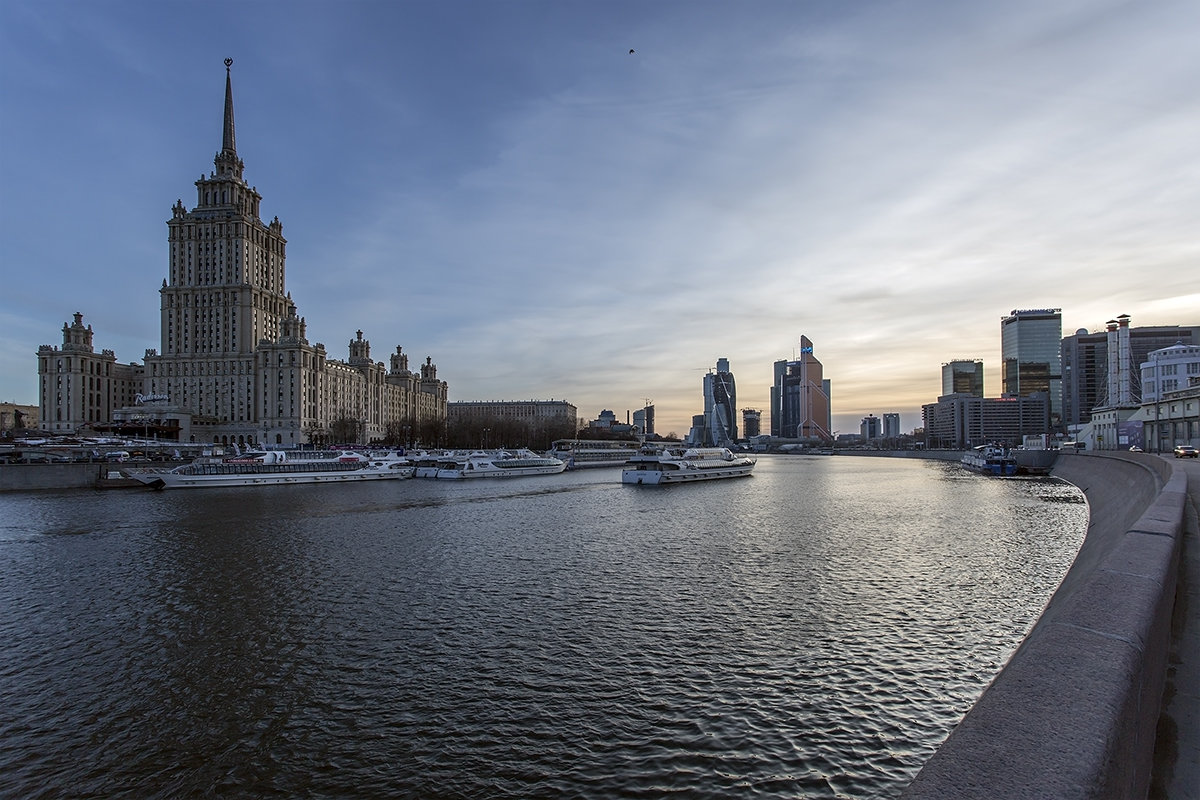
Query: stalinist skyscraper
(224,293)
(235,364)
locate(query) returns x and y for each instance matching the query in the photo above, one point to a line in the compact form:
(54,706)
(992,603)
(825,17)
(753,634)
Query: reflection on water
(812,631)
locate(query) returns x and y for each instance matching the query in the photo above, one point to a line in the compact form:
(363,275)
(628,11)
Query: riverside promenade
(1177,748)
(1102,699)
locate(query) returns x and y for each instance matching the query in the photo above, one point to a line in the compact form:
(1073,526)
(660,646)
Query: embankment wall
(29,477)
(1073,713)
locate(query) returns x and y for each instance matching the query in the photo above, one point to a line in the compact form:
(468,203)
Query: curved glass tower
(720,406)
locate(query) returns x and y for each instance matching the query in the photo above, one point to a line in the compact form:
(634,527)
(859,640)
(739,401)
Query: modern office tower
(751,422)
(1085,363)
(234,363)
(891,426)
(1030,352)
(963,376)
(1169,370)
(869,428)
(720,404)
(957,422)
(800,397)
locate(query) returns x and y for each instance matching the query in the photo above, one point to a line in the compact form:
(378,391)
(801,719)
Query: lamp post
(486,431)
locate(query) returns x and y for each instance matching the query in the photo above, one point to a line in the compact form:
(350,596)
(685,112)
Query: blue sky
(504,187)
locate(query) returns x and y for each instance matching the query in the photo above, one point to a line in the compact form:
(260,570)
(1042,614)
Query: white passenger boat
(653,466)
(990,459)
(428,463)
(277,467)
(500,464)
(584,453)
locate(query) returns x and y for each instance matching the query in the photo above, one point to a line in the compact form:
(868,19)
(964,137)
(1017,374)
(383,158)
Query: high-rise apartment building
(234,363)
(800,397)
(963,376)
(870,428)
(891,425)
(1086,363)
(1030,352)
(720,406)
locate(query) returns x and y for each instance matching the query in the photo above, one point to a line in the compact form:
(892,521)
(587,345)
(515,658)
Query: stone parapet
(1073,713)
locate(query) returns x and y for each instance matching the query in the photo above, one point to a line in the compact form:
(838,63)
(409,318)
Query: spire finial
(228,141)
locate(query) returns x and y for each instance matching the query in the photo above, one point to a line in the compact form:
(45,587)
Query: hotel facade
(234,363)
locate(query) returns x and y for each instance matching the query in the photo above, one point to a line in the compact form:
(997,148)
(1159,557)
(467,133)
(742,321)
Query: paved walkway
(1177,750)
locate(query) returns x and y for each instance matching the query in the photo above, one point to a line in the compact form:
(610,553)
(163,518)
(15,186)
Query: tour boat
(583,453)
(500,464)
(654,466)
(990,459)
(427,463)
(275,467)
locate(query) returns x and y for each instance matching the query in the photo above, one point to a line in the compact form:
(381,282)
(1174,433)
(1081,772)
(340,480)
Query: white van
(117,455)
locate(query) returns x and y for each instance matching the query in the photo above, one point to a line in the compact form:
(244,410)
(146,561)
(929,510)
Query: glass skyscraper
(963,376)
(720,406)
(1030,351)
(800,406)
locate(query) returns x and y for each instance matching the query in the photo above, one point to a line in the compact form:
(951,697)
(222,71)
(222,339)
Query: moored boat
(499,464)
(585,453)
(274,467)
(990,459)
(653,466)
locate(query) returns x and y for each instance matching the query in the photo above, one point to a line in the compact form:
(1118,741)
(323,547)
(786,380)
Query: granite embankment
(30,477)
(1074,712)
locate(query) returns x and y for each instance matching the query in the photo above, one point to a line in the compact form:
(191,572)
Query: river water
(815,630)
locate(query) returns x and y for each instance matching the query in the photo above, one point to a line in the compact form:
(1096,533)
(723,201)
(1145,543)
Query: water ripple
(814,631)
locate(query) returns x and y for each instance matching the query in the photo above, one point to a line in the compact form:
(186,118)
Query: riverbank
(1074,713)
(76,475)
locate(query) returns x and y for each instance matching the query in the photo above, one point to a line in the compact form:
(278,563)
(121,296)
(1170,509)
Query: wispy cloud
(548,215)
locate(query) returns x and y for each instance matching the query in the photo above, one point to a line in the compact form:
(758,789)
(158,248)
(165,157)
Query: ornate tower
(224,293)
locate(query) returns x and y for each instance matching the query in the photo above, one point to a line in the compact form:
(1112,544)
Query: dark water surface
(813,631)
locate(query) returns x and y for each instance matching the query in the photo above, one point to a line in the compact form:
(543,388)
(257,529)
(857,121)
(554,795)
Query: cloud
(546,215)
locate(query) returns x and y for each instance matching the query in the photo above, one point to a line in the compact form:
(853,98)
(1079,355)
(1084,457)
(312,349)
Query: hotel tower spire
(227,162)
(228,143)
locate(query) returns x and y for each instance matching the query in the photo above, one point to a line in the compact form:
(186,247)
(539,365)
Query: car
(1185,451)
(1135,449)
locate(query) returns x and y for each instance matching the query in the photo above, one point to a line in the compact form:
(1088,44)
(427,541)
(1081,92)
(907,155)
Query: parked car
(1135,449)
(1185,451)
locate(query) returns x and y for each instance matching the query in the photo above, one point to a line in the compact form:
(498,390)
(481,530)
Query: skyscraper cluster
(1058,386)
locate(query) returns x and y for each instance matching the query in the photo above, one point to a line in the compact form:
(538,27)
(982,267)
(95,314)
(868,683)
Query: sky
(594,201)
